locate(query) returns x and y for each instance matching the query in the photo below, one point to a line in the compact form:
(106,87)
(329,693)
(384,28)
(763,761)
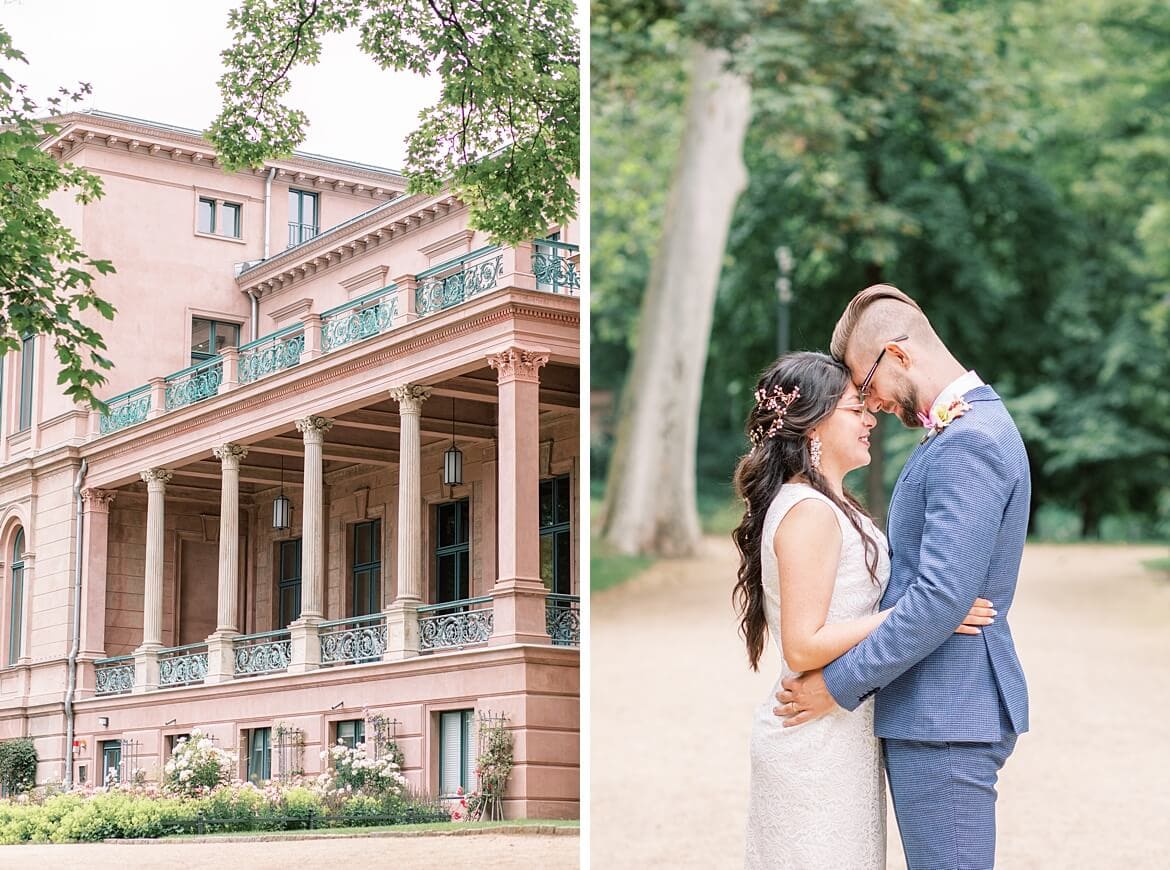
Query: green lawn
(429,827)
(1158,565)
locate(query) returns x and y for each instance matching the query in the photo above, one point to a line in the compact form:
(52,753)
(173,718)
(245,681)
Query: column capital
(314,428)
(97,501)
(410,397)
(230,454)
(517,364)
(156,478)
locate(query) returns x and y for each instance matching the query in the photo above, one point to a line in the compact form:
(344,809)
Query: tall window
(452,551)
(289,582)
(16,599)
(28,356)
(218,217)
(367,568)
(259,755)
(210,337)
(456,754)
(351,732)
(111,762)
(302,216)
(556,535)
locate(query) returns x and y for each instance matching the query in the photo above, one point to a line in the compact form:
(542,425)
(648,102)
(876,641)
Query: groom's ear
(899,353)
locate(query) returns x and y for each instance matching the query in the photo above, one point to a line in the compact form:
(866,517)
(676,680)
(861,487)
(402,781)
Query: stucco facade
(336,371)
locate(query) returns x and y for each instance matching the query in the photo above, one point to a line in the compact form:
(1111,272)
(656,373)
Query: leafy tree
(46,279)
(504,134)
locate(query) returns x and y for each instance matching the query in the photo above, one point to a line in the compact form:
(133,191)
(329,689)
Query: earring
(814,450)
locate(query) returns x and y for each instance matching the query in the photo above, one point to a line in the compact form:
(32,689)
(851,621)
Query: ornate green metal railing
(562,619)
(555,265)
(455,623)
(114,676)
(194,383)
(272,353)
(263,653)
(358,319)
(458,280)
(182,665)
(127,409)
(357,639)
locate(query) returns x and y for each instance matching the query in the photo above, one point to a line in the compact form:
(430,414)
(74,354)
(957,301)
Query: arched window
(17,598)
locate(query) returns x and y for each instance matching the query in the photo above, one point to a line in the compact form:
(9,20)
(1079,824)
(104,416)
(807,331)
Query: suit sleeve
(967,490)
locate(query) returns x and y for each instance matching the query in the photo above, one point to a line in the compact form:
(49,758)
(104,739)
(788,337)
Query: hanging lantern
(453,458)
(281,506)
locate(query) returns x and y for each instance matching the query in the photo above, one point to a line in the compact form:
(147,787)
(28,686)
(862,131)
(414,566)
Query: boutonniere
(941,416)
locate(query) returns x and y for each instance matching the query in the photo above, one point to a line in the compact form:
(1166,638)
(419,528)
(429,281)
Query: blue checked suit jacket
(957,522)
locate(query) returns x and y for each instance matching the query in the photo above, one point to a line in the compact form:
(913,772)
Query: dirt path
(492,851)
(1088,788)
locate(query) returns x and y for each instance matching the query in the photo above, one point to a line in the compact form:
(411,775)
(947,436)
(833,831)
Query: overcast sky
(160,61)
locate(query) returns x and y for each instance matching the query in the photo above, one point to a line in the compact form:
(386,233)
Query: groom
(948,706)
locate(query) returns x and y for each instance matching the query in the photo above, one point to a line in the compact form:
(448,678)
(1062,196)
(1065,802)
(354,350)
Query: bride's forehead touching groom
(948,706)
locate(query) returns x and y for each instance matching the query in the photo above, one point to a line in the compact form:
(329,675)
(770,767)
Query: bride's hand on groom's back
(981,613)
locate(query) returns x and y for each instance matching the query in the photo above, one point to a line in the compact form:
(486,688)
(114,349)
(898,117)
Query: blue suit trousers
(944,798)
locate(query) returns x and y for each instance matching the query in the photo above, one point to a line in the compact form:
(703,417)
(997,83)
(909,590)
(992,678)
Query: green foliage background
(1005,163)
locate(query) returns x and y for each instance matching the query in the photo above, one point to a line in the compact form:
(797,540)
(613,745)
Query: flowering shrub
(352,772)
(493,767)
(197,766)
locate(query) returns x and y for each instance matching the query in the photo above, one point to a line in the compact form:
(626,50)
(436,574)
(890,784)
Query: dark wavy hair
(775,461)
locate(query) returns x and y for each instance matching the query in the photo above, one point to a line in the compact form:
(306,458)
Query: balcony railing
(263,653)
(114,676)
(272,353)
(370,315)
(458,280)
(194,383)
(562,619)
(127,409)
(555,266)
(182,665)
(354,640)
(298,233)
(454,624)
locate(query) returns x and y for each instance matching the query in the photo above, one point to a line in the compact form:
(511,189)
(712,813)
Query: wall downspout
(267,248)
(75,639)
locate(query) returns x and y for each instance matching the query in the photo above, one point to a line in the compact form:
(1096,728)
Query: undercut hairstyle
(857,309)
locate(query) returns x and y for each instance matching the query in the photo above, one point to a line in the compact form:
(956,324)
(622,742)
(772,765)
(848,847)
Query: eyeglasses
(863,388)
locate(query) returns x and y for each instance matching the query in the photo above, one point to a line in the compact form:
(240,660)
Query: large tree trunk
(650,504)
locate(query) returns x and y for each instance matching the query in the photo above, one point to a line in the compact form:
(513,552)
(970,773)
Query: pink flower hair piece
(775,400)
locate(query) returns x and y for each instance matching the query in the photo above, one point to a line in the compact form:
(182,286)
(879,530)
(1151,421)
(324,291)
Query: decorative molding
(371,279)
(410,397)
(97,501)
(422,338)
(314,428)
(210,523)
(159,477)
(546,449)
(517,364)
(292,309)
(448,245)
(230,454)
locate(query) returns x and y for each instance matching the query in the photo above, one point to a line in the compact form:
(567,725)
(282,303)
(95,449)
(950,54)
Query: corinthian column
(313,531)
(146,656)
(519,595)
(229,456)
(221,660)
(306,644)
(402,618)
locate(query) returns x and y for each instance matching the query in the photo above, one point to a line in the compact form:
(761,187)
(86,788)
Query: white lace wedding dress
(818,790)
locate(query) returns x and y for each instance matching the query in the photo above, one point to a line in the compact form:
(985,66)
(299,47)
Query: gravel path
(481,851)
(1086,788)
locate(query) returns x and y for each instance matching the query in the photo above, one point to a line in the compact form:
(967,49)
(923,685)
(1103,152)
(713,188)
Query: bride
(813,567)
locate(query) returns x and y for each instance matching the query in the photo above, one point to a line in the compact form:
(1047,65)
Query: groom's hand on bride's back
(803,699)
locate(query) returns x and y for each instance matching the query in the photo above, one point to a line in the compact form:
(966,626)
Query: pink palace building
(337,483)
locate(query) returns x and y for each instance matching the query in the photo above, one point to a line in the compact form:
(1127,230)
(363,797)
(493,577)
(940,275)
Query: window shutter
(450,751)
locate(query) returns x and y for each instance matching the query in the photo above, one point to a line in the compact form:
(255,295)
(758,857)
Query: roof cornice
(79,129)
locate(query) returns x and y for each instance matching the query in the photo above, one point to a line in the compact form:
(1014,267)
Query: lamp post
(784,293)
